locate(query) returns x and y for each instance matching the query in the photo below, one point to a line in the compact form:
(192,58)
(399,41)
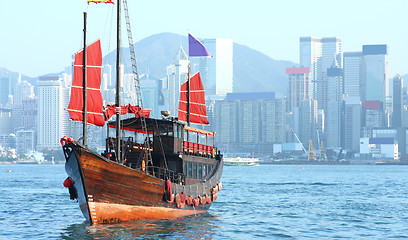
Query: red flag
(101,1)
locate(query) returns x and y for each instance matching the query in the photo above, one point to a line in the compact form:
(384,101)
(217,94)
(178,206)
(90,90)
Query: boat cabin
(179,152)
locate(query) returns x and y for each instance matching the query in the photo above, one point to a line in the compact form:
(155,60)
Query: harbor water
(258,202)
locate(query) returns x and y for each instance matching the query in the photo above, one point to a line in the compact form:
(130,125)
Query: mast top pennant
(100,1)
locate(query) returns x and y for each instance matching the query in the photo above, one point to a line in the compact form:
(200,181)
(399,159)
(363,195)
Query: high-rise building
(375,73)
(217,72)
(334,106)
(29,113)
(176,75)
(353,70)
(397,102)
(25,141)
(352,124)
(317,53)
(50,124)
(5,91)
(250,122)
(373,116)
(307,122)
(299,87)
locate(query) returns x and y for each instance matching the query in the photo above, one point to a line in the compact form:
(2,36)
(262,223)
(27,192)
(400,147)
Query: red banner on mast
(100,1)
(94,96)
(198,112)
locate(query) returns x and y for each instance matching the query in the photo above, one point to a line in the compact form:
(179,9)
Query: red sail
(198,112)
(94,96)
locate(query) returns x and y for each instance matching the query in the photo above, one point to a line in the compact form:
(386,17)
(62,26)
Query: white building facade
(52,122)
(217,72)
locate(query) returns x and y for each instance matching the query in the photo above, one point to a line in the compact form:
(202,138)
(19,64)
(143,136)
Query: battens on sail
(94,96)
(198,112)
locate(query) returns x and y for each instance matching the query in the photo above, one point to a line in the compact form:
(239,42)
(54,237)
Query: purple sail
(196,48)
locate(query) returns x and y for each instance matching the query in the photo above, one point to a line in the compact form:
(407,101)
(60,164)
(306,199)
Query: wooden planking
(115,183)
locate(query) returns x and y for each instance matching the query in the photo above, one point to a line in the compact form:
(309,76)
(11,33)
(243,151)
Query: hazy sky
(39,37)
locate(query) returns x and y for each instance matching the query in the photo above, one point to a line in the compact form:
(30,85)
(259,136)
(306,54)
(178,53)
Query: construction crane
(312,153)
(299,141)
(322,156)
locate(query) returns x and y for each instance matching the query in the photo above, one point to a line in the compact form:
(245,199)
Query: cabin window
(189,170)
(185,168)
(204,170)
(185,136)
(210,140)
(192,137)
(170,130)
(201,139)
(179,131)
(200,171)
(194,170)
(209,169)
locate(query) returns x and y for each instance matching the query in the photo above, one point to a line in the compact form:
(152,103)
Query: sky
(40,37)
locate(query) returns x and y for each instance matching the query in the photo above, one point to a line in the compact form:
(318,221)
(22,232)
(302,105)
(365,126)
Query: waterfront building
(51,125)
(29,114)
(353,71)
(217,72)
(227,123)
(317,54)
(307,122)
(250,122)
(299,87)
(397,102)
(375,73)
(25,141)
(335,106)
(352,124)
(373,116)
(6,125)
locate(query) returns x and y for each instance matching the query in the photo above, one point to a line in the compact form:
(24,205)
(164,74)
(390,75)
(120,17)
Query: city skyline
(43,25)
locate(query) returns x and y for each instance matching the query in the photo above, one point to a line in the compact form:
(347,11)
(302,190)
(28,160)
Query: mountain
(253,70)
(5,73)
(256,72)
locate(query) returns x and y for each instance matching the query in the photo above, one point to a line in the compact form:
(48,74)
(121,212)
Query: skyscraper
(299,87)
(176,75)
(375,72)
(317,53)
(51,122)
(334,105)
(217,72)
(308,122)
(397,102)
(353,70)
(352,124)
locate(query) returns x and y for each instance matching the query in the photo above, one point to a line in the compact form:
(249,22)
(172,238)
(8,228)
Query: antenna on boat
(84,124)
(118,111)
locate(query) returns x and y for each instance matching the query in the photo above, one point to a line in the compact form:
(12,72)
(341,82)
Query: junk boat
(153,168)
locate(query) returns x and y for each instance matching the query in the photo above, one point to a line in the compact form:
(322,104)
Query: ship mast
(84,123)
(118,137)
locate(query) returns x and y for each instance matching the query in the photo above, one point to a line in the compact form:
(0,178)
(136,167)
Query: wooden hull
(109,192)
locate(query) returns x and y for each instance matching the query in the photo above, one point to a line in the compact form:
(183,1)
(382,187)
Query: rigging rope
(136,79)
